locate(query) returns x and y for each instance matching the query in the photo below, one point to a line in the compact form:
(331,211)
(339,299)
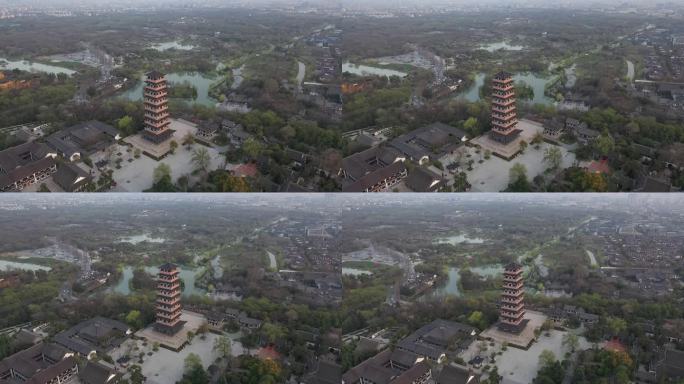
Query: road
(570,371)
(630,71)
(237,77)
(633,268)
(300,76)
(592,258)
(272,260)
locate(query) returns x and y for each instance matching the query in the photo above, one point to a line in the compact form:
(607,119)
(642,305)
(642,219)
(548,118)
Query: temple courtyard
(161,365)
(137,175)
(528,130)
(180,129)
(535,320)
(192,322)
(520,367)
(492,175)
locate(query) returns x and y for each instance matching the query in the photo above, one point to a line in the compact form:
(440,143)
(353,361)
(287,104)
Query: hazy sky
(386,3)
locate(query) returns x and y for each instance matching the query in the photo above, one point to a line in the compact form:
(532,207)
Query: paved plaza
(493,175)
(180,129)
(137,175)
(192,322)
(529,129)
(520,367)
(521,340)
(166,366)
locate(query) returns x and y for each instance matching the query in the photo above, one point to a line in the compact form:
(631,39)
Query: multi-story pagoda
(168,300)
(504,114)
(512,303)
(156,99)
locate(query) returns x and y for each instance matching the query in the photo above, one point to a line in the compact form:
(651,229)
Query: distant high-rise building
(168,300)
(156,99)
(504,113)
(512,299)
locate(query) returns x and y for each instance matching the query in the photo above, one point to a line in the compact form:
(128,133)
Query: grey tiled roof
(41,361)
(452,374)
(422,179)
(375,177)
(362,163)
(23,160)
(432,339)
(427,141)
(67,175)
(97,334)
(82,138)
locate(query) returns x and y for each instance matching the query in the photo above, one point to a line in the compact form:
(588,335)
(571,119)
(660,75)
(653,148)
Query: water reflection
(187,275)
(25,65)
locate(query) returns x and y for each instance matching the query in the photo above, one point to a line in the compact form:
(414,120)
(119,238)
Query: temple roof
(503,75)
(513,266)
(23,160)
(168,267)
(455,374)
(154,74)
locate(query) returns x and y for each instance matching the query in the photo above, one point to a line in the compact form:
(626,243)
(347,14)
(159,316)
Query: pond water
(200,81)
(29,66)
(187,275)
(355,272)
(172,45)
(450,288)
(472,94)
(459,239)
(501,45)
(137,239)
(538,84)
(365,70)
(6,265)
